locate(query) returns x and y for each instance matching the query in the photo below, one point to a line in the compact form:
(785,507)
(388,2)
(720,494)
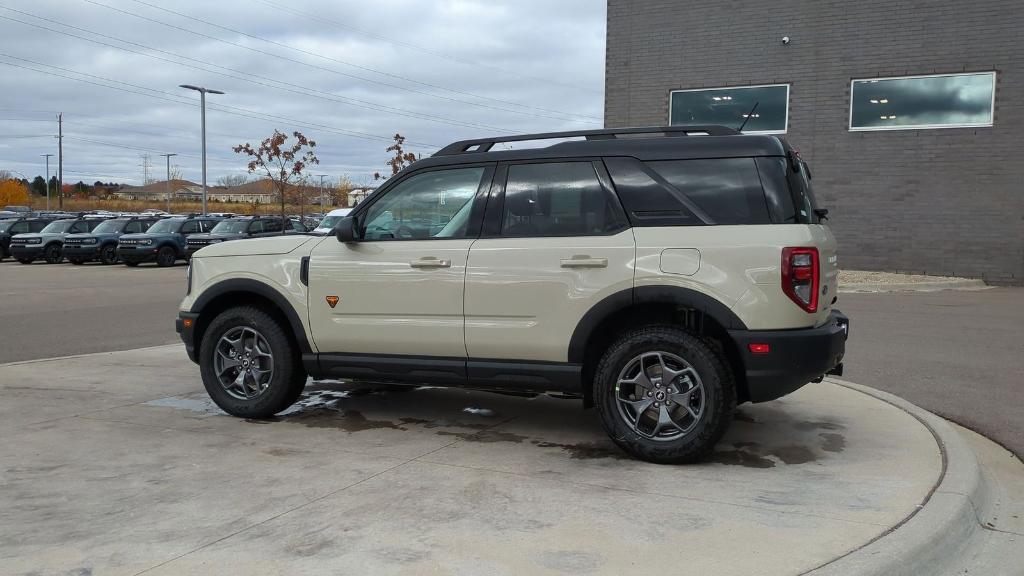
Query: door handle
(430,262)
(584,261)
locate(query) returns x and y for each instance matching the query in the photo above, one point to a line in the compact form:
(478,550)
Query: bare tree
(283,164)
(176,173)
(400,160)
(231,180)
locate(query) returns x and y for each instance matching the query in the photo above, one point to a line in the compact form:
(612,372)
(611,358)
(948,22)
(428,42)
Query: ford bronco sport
(101,243)
(48,243)
(663,275)
(241,227)
(164,242)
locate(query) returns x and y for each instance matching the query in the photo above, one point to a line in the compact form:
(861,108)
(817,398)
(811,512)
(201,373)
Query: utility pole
(322,176)
(145,169)
(202,105)
(47,180)
(168,156)
(60,161)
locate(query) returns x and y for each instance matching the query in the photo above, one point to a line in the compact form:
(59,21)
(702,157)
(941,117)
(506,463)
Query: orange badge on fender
(332,301)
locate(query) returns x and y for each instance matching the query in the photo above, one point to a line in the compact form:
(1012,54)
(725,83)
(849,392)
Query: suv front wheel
(249,366)
(664,395)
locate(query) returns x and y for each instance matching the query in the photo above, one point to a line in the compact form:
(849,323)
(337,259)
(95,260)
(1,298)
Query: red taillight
(759,348)
(800,276)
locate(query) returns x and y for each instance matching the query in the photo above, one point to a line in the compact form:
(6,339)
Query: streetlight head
(214,91)
(190,87)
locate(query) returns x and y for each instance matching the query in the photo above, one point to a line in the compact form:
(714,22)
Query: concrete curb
(964,284)
(945,527)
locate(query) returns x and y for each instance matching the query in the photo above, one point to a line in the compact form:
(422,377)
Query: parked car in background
(18,209)
(327,224)
(165,242)
(48,243)
(14,226)
(241,227)
(101,243)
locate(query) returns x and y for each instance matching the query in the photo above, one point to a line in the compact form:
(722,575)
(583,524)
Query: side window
(36,226)
(133,227)
(557,199)
(726,189)
(272,225)
(298,226)
(83,226)
(435,204)
(21,228)
(190,227)
(256,227)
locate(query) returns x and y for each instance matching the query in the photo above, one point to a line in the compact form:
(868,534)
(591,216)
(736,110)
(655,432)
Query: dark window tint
(922,102)
(207,225)
(83,226)
(19,228)
(272,225)
(647,201)
(37,226)
(136,227)
(190,227)
(787,191)
(726,189)
(731,106)
(557,199)
(256,227)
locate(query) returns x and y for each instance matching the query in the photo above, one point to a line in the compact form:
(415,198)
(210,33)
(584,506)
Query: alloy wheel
(660,396)
(243,363)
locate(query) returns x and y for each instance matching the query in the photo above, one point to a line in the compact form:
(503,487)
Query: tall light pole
(202,105)
(168,183)
(47,180)
(322,176)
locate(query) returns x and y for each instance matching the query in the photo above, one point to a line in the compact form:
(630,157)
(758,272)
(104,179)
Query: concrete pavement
(119,464)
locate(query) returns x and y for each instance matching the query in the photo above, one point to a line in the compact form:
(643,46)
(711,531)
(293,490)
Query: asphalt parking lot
(49,310)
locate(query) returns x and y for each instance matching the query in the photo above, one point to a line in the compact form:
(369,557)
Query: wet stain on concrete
(793,454)
(821,425)
(741,458)
(742,445)
(282,452)
(832,442)
(741,416)
(347,420)
(584,450)
(485,436)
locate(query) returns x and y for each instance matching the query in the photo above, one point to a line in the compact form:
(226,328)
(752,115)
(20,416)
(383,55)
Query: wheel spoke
(244,350)
(664,419)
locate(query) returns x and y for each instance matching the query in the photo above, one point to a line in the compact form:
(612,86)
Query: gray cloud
(447,70)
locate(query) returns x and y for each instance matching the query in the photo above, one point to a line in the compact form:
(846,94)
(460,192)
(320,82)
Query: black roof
(646,143)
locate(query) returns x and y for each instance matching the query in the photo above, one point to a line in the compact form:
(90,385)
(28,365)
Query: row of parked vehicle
(136,238)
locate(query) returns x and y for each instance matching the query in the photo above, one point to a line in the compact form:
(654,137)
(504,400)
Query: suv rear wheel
(664,395)
(249,366)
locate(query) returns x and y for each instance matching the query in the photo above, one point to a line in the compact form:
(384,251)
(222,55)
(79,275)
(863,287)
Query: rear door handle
(430,262)
(584,261)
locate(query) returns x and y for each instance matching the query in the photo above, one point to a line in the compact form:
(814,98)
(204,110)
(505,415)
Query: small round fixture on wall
(785,39)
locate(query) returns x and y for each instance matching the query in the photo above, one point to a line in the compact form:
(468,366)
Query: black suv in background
(14,226)
(101,243)
(48,243)
(241,227)
(164,242)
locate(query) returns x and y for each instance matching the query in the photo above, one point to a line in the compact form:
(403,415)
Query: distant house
(357,195)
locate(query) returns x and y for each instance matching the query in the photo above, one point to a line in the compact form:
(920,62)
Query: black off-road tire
(52,254)
(166,257)
(108,255)
(714,373)
(287,381)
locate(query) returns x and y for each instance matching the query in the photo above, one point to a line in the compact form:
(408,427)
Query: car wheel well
(236,299)
(636,316)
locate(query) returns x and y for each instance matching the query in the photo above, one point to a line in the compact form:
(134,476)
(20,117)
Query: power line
(175,98)
(582,117)
(285,86)
(325,69)
(424,49)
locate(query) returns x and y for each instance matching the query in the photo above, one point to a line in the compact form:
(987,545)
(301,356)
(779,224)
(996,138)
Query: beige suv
(662,275)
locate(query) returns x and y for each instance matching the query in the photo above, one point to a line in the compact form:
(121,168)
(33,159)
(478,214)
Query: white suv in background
(662,275)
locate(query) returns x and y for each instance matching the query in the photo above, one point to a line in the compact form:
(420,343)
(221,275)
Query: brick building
(910,113)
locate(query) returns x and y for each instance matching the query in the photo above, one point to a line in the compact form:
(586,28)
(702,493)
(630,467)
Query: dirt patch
(832,442)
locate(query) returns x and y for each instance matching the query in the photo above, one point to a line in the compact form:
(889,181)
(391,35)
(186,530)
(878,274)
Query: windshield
(230,227)
(110,226)
(57,226)
(329,222)
(164,226)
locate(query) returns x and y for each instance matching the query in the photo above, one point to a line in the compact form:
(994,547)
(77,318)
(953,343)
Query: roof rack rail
(485,144)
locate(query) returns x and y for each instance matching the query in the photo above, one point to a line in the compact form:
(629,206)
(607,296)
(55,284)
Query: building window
(731,106)
(914,102)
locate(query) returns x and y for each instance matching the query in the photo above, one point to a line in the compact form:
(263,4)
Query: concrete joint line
(945,525)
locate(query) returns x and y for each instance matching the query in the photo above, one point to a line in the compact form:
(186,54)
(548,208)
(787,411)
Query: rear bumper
(187,332)
(795,357)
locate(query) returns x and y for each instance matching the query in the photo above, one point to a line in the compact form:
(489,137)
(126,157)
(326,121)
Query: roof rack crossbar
(485,144)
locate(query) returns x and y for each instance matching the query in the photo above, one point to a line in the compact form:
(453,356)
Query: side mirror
(347,230)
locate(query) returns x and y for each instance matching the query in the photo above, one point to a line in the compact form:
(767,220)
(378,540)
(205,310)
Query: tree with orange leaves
(282,163)
(13,192)
(400,160)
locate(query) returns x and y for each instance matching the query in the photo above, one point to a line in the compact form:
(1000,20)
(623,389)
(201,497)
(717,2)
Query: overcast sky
(348,74)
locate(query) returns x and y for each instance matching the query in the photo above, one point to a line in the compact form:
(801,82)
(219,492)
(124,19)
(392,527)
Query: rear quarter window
(728,190)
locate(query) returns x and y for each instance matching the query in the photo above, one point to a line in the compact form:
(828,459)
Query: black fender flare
(248,285)
(648,295)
